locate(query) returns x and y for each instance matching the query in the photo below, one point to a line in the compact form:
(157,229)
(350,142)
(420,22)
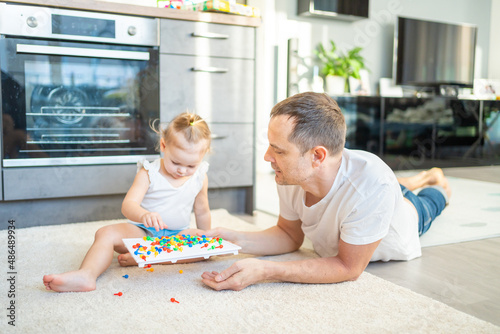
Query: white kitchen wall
(280,23)
(494,59)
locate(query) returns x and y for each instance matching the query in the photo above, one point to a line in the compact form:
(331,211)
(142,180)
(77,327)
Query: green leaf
(335,62)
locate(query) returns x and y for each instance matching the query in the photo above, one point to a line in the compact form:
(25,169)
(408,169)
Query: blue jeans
(429,203)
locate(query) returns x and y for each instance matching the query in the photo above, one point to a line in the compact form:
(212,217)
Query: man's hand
(153,219)
(193,231)
(237,277)
(223,233)
(348,265)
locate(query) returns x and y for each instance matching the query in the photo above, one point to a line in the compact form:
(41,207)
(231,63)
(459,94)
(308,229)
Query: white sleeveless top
(173,204)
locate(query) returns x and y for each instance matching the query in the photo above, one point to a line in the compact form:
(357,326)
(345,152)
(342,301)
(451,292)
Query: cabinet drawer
(65,181)
(206,39)
(231,157)
(219,90)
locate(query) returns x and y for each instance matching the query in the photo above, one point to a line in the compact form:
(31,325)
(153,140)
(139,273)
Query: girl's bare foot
(126,260)
(77,281)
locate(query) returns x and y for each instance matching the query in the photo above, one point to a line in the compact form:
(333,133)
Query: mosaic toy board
(150,250)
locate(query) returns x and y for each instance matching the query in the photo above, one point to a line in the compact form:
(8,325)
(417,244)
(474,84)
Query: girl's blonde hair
(194,128)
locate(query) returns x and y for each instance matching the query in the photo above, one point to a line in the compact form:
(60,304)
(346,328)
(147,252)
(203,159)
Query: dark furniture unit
(417,133)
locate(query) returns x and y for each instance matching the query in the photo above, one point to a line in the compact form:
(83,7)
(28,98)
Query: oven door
(66,103)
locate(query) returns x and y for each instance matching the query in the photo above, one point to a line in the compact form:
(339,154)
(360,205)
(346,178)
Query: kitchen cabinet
(207,39)
(231,156)
(206,65)
(218,89)
(209,69)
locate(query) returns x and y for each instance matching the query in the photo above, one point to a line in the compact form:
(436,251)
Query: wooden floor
(465,276)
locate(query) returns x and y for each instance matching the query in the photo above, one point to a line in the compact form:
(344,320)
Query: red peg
(173,300)
(118,294)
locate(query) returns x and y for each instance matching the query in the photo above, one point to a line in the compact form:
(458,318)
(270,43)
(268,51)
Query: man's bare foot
(435,176)
(431,177)
(412,182)
(126,260)
(78,281)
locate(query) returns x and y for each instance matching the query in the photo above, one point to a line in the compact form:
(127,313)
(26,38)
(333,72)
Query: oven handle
(210,69)
(210,35)
(81,52)
(217,137)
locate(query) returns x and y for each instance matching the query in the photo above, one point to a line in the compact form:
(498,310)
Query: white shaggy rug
(368,305)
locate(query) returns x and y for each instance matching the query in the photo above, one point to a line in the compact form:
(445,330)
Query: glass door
(77,103)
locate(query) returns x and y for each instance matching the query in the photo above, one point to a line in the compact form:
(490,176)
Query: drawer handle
(81,52)
(210,69)
(209,35)
(215,136)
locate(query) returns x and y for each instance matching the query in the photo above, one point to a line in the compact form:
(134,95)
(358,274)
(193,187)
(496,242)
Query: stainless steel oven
(77,88)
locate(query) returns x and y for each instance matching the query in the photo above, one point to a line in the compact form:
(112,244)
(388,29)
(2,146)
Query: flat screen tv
(433,54)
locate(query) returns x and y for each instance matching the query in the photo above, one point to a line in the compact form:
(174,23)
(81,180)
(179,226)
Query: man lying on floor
(348,203)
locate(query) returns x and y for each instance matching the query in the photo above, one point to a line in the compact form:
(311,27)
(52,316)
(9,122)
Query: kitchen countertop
(167,13)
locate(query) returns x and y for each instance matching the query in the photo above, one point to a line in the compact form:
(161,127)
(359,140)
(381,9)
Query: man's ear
(318,155)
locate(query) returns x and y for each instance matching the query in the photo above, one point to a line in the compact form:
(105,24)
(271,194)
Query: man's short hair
(317,121)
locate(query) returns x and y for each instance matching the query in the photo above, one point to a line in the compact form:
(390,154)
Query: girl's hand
(153,219)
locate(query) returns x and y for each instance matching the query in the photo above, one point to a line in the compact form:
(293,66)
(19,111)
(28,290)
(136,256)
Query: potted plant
(339,66)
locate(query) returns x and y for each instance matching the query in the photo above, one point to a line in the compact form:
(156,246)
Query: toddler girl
(159,202)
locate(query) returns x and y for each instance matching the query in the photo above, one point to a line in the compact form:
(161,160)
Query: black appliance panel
(77,100)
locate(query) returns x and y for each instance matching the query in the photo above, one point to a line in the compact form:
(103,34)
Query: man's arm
(285,237)
(349,263)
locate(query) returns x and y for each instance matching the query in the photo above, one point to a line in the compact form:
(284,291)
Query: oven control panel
(63,24)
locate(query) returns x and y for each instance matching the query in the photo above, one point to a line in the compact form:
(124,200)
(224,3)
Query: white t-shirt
(364,204)
(173,204)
